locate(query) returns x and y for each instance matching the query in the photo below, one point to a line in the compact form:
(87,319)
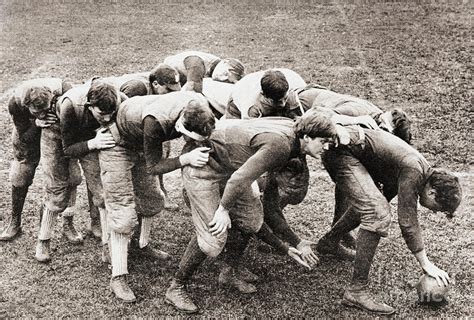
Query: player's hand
(366,121)
(441,276)
(307,253)
(196,158)
(103,140)
(50,119)
(220,223)
(343,135)
(297,256)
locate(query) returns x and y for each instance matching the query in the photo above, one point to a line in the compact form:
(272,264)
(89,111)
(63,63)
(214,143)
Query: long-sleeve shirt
(145,122)
(177,61)
(76,129)
(402,170)
(23,120)
(249,149)
(247,100)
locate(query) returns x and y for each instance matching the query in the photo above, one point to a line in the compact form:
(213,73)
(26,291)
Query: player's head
(103,100)
(275,88)
(38,101)
(196,121)
(397,122)
(315,130)
(228,70)
(442,192)
(164,79)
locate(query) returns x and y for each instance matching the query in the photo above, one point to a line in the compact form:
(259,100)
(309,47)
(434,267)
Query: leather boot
(120,288)
(359,297)
(228,276)
(13,228)
(337,250)
(151,252)
(95,228)
(69,232)
(42,251)
(177,296)
(246,275)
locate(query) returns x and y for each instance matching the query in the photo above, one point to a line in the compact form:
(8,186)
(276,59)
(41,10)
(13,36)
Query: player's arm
(409,182)
(73,145)
(153,138)
(22,121)
(272,151)
(347,120)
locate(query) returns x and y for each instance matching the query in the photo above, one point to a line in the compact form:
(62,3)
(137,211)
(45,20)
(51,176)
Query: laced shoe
(177,296)
(229,277)
(359,297)
(120,288)
(325,247)
(42,251)
(70,232)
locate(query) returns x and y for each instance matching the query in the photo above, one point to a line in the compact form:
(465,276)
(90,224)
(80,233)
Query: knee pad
(384,217)
(22,174)
(123,221)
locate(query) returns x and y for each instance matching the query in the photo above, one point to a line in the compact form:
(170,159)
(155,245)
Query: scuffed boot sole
(348,303)
(11,237)
(168,301)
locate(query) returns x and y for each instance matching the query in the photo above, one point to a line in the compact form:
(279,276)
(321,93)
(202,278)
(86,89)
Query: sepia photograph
(262,159)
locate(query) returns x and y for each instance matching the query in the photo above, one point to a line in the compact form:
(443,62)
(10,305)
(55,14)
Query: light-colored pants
(129,190)
(204,187)
(62,174)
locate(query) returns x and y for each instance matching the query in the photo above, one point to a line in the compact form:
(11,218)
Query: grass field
(417,56)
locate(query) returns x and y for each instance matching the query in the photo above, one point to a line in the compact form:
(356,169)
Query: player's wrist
(184,159)
(91,144)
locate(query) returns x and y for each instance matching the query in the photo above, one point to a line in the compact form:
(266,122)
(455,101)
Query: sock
(191,260)
(119,253)
(367,243)
(47,223)
(145,230)
(236,244)
(104,226)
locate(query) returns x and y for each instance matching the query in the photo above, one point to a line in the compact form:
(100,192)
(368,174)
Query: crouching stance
(129,170)
(225,205)
(372,158)
(31,107)
(224,70)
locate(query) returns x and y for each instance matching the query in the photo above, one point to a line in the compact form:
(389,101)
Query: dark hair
(103,96)
(163,74)
(315,124)
(38,97)
(274,84)
(401,125)
(448,190)
(199,118)
(134,88)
